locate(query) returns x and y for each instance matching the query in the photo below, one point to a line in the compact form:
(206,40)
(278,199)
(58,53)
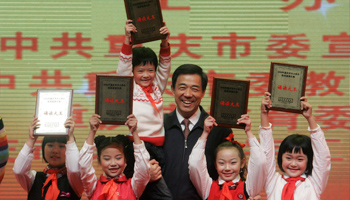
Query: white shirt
(202,181)
(193,119)
(26,177)
(139,180)
(314,185)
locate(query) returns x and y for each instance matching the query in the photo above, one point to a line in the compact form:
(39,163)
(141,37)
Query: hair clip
(231,138)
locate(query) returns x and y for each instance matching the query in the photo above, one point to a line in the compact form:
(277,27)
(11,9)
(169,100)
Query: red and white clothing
(26,177)
(129,189)
(203,182)
(314,184)
(149,120)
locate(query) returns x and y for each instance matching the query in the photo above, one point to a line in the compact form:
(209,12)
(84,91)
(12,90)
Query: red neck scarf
(225,193)
(53,191)
(109,191)
(148,90)
(289,187)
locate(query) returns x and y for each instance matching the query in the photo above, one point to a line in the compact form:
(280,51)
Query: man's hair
(143,56)
(190,69)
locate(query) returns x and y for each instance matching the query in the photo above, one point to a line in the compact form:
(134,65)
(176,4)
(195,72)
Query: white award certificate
(53,107)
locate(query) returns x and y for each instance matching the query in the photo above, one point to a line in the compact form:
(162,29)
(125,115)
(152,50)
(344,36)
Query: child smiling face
(294,164)
(228,163)
(112,161)
(144,74)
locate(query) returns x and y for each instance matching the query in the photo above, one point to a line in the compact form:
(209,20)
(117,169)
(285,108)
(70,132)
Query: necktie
(289,187)
(225,192)
(53,191)
(187,127)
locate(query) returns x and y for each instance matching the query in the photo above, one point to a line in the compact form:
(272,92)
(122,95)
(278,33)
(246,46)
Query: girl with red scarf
(305,161)
(61,177)
(113,184)
(231,166)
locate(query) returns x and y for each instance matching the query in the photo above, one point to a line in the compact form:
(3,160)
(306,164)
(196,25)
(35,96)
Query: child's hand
(165,31)
(305,107)
(131,123)
(129,27)
(69,123)
(95,122)
(266,103)
(33,125)
(209,123)
(155,170)
(246,120)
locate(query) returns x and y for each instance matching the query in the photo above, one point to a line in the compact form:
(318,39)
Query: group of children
(304,161)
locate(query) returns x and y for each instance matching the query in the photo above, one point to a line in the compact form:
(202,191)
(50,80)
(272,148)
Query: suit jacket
(175,172)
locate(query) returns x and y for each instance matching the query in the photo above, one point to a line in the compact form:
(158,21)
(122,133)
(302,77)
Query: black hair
(49,139)
(296,143)
(228,144)
(120,142)
(143,56)
(190,69)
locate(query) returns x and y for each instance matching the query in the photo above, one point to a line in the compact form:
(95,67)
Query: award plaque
(147,17)
(229,101)
(114,97)
(286,85)
(53,107)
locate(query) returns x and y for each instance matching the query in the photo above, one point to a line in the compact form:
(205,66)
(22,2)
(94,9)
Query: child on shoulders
(150,81)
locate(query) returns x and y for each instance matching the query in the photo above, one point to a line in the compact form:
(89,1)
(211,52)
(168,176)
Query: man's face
(188,94)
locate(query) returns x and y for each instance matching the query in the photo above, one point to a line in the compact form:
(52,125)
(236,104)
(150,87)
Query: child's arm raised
(265,105)
(129,27)
(198,163)
(132,124)
(23,162)
(322,158)
(164,60)
(141,175)
(165,31)
(72,159)
(267,142)
(307,112)
(125,58)
(94,124)
(88,176)
(256,176)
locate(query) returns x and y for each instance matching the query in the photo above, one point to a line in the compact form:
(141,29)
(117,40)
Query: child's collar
(237,179)
(120,175)
(286,175)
